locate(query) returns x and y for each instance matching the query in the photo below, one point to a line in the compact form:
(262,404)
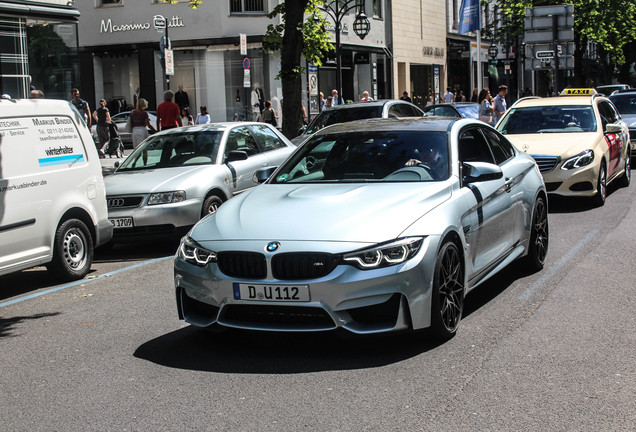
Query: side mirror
(261,175)
(473,172)
(117,164)
(613,128)
(236,155)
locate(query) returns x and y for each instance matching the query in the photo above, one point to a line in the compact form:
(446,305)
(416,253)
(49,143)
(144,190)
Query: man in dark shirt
(405,96)
(82,106)
(168,113)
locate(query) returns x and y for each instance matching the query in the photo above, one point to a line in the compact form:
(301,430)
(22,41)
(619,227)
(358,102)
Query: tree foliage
(609,23)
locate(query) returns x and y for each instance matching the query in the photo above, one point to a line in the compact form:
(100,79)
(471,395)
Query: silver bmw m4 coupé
(371,226)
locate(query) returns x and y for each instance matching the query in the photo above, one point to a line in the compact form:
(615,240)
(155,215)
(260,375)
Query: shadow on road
(7,325)
(136,251)
(237,351)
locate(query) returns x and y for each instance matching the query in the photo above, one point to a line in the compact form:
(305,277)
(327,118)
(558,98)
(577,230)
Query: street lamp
(337,9)
(493,51)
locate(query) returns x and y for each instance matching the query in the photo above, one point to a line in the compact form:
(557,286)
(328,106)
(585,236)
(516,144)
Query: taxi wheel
(601,187)
(626,178)
(447,302)
(72,251)
(211,205)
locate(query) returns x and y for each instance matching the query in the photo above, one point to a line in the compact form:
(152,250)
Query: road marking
(82,281)
(555,268)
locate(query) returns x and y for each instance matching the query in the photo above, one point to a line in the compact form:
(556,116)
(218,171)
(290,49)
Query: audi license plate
(274,293)
(122,222)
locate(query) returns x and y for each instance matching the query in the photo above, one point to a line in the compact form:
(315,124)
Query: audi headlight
(385,255)
(578,161)
(166,197)
(191,252)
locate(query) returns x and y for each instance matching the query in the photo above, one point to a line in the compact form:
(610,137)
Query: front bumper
(157,220)
(577,182)
(360,301)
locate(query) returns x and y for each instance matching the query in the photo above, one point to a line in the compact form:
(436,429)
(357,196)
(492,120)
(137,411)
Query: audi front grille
(114,203)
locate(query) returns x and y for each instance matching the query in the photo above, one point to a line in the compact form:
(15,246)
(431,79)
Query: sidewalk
(108,163)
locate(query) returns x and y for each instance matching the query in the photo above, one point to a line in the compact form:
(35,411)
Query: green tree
(609,23)
(295,37)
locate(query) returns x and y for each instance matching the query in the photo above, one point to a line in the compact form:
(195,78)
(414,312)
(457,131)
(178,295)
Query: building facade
(120,55)
(38,47)
(419,49)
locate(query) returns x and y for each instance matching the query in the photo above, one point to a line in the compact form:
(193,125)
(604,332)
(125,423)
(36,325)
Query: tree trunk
(291,50)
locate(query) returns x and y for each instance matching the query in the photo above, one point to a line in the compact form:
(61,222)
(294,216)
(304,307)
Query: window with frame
(377,8)
(109,2)
(242,6)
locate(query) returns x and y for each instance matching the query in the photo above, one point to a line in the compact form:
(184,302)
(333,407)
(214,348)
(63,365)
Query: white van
(52,195)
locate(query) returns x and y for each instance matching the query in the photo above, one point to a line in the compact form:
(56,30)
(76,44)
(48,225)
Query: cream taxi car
(578,140)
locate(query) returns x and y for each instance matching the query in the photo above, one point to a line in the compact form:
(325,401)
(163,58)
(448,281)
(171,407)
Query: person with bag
(139,123)
(269,115)
(485,107)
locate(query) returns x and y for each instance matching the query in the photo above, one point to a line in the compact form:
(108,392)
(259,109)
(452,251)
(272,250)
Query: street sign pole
(555,33)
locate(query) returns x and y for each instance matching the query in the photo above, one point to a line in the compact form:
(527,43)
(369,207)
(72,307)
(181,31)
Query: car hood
(630,120)
(341,212)
(559,144)
(154,180)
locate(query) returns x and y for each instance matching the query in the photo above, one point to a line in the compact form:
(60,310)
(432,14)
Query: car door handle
(508,184)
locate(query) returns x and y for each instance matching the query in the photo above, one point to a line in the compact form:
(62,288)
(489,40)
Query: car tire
(626,178)
(211,205)
(72,251)
(539,236)
(447,300)
(601,187)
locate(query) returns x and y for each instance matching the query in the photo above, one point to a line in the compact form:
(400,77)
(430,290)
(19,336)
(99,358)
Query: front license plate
(274,293)
(123,222)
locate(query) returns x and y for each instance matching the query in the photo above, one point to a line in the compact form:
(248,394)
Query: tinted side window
(394,111)
(267,138)
(240,138)
(501,147)
(473,147)
(408,110)
(607,113)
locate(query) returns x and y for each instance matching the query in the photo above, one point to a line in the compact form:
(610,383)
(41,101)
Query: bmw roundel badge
(272,246)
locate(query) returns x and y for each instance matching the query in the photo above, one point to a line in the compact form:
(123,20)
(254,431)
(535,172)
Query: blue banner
(469,16)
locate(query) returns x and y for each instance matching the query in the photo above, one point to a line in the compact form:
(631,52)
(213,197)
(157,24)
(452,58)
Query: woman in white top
(203,117)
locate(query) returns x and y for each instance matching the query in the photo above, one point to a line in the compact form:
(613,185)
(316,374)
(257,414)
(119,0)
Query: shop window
(109,2)
(241,6)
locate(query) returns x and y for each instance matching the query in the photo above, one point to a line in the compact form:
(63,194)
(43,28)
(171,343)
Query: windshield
(329,117)
(625,103)
(468,111)
(548,119)
(378,156)
(175,149)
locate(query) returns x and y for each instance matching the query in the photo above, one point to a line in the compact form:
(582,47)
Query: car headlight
(166,197)
(191,252)
(385,255)
(578,161)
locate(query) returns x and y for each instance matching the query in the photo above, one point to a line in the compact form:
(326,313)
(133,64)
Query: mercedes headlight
(191,252)
(166,197)
(578,161)
(385,255)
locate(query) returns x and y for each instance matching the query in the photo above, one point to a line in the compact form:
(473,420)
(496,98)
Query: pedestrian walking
(449,96)
(82,106)
(203,117)
(499,103)
(269,115)
(102,118)
(140,122)
(485,107)
(168,115)
(405,96)
(186,117)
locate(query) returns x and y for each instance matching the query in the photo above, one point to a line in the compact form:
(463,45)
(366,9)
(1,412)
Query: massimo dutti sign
(108,26)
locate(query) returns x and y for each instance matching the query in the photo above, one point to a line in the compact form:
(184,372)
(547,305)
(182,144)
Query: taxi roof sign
(578,92)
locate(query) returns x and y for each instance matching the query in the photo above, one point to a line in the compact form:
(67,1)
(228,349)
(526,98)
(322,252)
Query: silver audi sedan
(371,226)
(177,176)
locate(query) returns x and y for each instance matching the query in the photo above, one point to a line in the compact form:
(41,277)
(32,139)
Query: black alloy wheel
(601,187)
(539,235)
(447,303)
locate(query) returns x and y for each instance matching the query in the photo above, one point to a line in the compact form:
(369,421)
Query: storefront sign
(107,26)
(429,51)
(243,43)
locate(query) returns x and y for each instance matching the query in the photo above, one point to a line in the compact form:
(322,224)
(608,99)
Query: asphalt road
(549,351)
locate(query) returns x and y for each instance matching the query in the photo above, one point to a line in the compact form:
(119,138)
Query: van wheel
(72,251)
